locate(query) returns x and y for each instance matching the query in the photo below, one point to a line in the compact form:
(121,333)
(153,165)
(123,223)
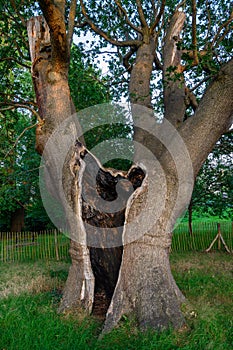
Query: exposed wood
(174,86)
(50,82)
(102,230)
(71,22)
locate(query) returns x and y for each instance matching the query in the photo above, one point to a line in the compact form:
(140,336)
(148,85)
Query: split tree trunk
(144,283)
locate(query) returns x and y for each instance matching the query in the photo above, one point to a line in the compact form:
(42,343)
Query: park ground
(30,294)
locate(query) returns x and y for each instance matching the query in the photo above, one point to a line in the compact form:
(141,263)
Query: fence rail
(24,246)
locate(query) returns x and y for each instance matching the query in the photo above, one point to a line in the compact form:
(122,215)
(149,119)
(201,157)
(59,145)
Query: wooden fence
(24,246)
(203,235)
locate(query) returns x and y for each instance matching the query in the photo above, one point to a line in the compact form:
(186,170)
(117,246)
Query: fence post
(219,235)
(56,245)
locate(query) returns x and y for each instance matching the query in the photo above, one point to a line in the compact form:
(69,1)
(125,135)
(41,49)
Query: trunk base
(146,289)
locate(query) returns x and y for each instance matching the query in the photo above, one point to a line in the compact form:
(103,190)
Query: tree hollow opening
(104,196)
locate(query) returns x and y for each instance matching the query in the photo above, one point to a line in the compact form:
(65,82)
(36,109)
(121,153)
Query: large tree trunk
(17,220)
(146,288)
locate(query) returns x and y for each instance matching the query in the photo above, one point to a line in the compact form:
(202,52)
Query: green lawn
(30,293)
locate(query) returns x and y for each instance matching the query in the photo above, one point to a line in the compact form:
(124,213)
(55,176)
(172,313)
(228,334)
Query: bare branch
(81,24)
(12,105)
(194,32)
(158,17)
(122,10)
(224,25)
(104,35)
(71,21)
(127,57)
(141,14)
(155,10)
(16,61)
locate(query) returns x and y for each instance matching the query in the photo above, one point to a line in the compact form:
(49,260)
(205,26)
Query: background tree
(212,195)
(148,36)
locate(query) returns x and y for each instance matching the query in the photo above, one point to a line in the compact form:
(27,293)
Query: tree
(212,193)
(21,205)
(142,279)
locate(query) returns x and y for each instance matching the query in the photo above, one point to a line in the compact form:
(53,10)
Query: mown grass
(30,293)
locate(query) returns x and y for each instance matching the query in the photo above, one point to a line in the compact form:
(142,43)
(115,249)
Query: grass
(30,293)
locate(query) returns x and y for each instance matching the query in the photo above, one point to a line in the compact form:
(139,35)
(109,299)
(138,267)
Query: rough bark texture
(139,85)
(145,289)
(145,286)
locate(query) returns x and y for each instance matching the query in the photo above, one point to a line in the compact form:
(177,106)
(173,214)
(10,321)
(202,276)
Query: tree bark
(146,288)
(139,86)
